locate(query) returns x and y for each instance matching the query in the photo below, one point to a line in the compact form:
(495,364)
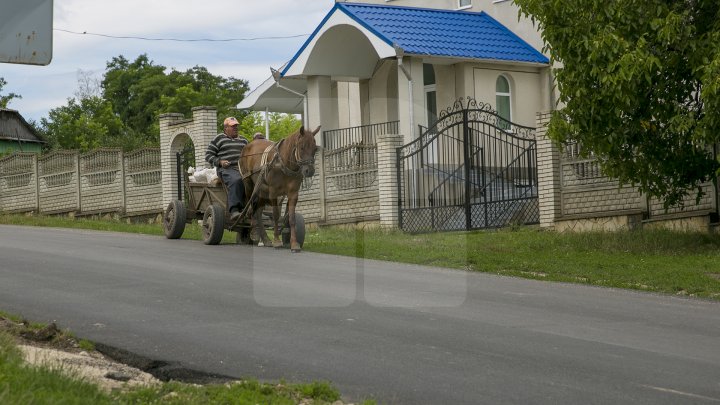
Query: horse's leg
(292,202)
(277,241)
(260,229)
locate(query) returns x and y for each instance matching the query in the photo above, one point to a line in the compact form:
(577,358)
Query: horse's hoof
(261,244)
(296,250)
(277,244)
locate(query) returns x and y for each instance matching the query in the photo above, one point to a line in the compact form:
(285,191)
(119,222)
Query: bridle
(300,163)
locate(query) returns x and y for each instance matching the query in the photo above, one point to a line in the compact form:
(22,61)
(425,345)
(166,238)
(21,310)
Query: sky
(46,87)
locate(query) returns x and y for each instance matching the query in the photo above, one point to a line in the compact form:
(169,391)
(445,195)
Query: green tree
(84,125)
(5,100)
(141,90)
(640,85)
(281,125)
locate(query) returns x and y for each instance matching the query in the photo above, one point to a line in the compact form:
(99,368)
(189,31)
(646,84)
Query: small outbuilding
(16,135)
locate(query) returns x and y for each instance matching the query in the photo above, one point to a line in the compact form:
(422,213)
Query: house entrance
(470,170)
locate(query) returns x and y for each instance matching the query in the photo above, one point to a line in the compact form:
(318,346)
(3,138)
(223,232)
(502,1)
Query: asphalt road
(398,333)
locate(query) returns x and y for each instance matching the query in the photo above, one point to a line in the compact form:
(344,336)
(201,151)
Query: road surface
(400,334)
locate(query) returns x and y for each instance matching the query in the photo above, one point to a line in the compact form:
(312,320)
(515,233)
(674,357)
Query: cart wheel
(299,231)
(243,237)
(174,219)
(213,224)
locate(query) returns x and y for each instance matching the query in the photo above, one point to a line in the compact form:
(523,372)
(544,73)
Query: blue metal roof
(432,32)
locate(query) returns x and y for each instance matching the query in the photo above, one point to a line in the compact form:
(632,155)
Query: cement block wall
(101,181)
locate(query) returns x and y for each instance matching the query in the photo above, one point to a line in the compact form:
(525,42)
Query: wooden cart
(208,203)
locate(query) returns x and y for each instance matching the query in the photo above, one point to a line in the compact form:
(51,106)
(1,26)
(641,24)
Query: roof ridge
(512,33)
(435,10)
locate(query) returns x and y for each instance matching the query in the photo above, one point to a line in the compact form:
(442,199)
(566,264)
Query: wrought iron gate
(471,170)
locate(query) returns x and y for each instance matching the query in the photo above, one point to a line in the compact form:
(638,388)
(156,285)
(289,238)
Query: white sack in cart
(203,175)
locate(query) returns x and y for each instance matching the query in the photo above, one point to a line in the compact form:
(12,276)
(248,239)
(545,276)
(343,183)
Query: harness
(276,161)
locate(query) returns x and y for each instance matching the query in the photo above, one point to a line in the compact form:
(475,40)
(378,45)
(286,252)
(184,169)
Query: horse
(272,171)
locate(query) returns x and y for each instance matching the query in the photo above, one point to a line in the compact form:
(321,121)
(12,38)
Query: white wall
(525,89)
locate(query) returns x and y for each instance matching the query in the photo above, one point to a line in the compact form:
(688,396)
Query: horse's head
(305,149)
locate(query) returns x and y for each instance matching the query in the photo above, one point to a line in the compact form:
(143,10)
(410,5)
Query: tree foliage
(86,124)
(141,90)
(281,125)
(640,87)
(124,111)
(5,100)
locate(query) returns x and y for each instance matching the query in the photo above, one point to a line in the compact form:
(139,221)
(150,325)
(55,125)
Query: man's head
(230,127)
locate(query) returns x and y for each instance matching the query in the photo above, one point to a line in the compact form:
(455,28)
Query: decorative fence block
(143,182)
(101,181)
(18,183)
(59,190)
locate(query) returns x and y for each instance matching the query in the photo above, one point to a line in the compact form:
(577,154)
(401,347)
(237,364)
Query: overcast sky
(45,87)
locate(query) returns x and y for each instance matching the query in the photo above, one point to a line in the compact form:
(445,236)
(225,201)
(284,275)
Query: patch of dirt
(56,349)
(90,366)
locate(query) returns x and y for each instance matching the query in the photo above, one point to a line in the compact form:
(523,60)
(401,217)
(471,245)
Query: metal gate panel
(468,172)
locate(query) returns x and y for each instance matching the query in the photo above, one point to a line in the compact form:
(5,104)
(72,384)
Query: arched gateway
(176,133)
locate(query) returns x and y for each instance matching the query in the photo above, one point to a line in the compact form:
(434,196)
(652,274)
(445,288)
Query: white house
(381,61)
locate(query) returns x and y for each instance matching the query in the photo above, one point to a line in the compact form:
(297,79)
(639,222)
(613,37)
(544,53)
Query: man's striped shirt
(225,148)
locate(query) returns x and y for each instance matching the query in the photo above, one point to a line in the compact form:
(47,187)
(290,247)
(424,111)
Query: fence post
(122,183)
(79,182)
(549,184)
(387,179)
(37,182)
(322,190)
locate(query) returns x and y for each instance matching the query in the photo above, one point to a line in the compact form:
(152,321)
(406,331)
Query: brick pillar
(387,179)
(204,129)
(548,157)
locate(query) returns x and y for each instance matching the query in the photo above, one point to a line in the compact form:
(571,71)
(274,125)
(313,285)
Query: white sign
(26,28)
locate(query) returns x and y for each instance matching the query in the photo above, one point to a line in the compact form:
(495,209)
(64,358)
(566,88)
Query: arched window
(503,102)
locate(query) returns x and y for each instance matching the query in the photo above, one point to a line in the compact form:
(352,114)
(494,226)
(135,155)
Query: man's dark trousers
(235,187)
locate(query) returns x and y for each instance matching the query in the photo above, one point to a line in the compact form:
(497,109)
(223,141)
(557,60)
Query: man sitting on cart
(224,153)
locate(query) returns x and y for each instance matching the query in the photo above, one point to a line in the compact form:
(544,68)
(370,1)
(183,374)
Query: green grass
(21,384)
(248,392)
(659,261)
(650,260)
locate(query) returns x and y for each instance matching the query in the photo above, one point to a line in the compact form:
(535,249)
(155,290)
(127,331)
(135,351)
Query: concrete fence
(101,181)
(575,195)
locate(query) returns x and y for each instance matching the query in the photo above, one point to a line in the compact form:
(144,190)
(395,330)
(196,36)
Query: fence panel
(143,182)
(18,183)
(101,187)
(59,185)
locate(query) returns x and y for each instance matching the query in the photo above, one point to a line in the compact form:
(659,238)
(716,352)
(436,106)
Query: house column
(411,96)
(548,158)
(364,99)
(320,105)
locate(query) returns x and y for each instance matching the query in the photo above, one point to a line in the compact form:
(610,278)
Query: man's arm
(211,154)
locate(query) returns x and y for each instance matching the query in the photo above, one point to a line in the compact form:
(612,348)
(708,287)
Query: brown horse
(272,171)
